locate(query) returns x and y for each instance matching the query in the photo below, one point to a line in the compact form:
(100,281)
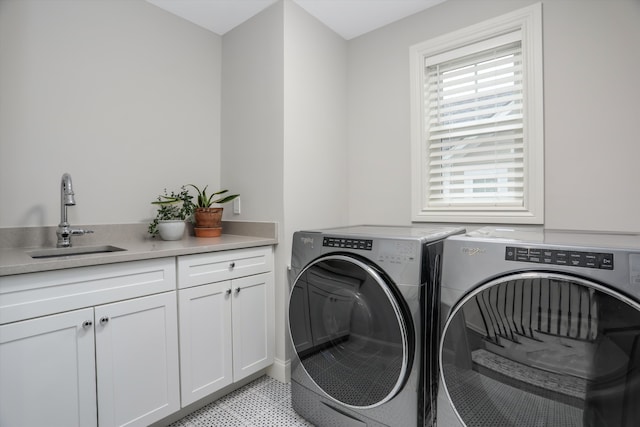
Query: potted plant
(173,209)
(208,219)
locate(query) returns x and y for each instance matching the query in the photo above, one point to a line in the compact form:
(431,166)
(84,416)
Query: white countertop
(14,257)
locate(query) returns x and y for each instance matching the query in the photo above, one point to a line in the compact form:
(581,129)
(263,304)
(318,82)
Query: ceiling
(349,18)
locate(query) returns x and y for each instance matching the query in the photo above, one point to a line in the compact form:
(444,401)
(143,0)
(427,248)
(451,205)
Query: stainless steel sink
(80,250)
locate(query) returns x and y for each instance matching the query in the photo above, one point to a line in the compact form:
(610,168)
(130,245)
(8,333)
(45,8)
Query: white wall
(591,111)
(283,128)
(316,164)
(592,91)
(316,188)
(253,135)
(121,94)
(252,116)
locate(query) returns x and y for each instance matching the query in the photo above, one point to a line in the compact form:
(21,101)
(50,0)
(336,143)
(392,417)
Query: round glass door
(543,349)
(349,331)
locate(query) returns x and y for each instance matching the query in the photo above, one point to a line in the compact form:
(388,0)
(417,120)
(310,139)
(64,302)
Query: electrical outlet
(236,206)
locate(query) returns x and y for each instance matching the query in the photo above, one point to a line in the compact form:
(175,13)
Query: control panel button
(510,254)
(606,261)
(591,260)
(339,242)
(560,257)
(576,259)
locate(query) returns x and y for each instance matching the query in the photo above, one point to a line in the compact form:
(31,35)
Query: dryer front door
(350,331)
(543,349)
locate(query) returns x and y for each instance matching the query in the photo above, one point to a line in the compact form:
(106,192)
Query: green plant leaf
(204,200)
(172,206)
(226,199)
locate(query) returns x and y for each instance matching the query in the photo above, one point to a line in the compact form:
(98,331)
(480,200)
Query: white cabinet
(253,324)
(137,360)
(47,371)
(205,340)
(111,363)
(98,346)
(227,319)
(200,269)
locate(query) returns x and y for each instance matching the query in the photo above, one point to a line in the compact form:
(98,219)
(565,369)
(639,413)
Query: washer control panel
(560,257)
(397,252)
(387,251)
(347,243)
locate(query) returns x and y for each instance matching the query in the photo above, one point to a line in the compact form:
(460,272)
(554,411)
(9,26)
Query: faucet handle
(79,232)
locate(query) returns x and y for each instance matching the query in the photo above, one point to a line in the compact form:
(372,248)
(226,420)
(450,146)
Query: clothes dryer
(362,306)
(540,328)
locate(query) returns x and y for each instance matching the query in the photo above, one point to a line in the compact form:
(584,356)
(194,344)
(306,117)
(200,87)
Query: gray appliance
(540,328)
(362,305)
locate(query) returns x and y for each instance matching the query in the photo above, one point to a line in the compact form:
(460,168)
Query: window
(477,123)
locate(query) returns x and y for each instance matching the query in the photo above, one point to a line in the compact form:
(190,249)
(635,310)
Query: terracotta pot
(207,232)
(208,217)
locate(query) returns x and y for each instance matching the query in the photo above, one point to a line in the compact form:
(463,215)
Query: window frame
(528,21)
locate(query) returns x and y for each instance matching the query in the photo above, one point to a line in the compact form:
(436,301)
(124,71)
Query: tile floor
(261,403)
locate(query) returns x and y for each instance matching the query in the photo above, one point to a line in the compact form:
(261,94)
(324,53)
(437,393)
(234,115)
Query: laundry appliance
(540,328)
(362,305)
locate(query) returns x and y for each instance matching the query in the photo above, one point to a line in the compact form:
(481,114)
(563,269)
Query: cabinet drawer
(24,296)
(199,269)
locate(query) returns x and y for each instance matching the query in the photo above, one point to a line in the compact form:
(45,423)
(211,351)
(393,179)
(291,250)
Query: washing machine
(540,328)
(362,304)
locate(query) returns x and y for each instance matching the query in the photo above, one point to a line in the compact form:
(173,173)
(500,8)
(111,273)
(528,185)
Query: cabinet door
(137,360)
(47,371)
(205,340)
(253,324)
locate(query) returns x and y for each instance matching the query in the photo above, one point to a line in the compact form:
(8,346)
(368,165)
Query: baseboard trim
(280,370)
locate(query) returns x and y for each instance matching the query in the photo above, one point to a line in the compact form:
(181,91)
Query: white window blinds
(474,126)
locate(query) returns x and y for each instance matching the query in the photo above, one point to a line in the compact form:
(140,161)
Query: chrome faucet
(64,231)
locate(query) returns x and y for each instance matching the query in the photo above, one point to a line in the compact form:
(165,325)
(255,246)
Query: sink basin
(80,250)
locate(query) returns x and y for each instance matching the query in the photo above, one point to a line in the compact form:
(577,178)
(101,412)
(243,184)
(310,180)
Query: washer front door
(543,349)
(350,331)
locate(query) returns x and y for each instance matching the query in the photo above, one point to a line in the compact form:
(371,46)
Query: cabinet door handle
(228,291)
(237,290)
(87,324)
(232,265)
(104,320)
